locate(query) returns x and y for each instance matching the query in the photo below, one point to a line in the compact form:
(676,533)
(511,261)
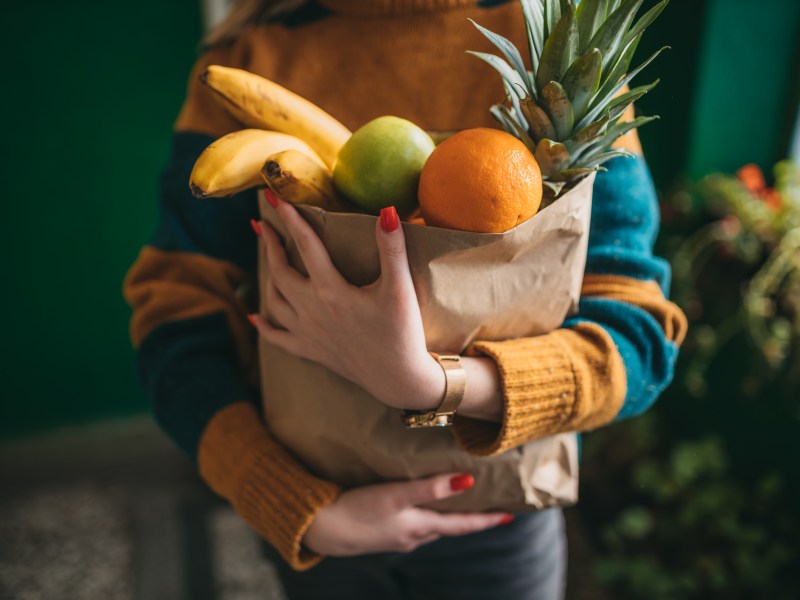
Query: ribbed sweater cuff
(269,489)
(539,391)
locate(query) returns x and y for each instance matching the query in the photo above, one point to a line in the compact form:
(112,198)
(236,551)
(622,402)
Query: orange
(482,180)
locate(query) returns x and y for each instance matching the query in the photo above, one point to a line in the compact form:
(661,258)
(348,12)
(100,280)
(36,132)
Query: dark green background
(94,87)
(92,93)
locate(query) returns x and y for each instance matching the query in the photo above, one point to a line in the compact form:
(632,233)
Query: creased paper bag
(470,286)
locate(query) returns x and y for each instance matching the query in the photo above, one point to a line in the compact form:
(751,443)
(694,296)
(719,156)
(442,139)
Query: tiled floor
(115,512)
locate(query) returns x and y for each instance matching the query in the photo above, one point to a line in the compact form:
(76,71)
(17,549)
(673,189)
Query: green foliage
(749,237)
(685,526)
(698,498)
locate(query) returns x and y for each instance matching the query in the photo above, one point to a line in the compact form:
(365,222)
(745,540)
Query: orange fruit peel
(482,180)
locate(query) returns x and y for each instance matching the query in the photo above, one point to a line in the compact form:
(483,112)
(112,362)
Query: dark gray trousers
(524,560)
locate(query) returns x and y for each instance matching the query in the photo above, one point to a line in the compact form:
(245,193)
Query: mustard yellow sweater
(360,59)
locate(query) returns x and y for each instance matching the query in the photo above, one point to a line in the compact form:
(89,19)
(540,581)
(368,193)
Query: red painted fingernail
(256,227)
(459,483)
(389,219)
(506,520)
(252,319)
(272,198)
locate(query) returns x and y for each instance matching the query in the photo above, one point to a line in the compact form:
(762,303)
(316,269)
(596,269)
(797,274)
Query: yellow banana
(297,179)
(259,102)
(233,163)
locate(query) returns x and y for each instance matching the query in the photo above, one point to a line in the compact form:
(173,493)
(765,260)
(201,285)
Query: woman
(360,59)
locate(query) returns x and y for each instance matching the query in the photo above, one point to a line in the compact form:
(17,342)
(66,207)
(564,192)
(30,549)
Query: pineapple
(566,110)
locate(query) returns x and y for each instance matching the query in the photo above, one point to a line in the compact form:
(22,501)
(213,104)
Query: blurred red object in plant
(752,178)
(771,198)
(730,226)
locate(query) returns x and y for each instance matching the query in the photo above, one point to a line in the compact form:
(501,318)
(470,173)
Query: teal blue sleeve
(625,222)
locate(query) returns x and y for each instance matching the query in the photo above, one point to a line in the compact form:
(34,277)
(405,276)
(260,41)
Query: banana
(259,102)
(297,179)
(233,163)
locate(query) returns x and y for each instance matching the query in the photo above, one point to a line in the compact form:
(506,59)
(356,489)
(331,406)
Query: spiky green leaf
(557,104)
(620,104)
(552,14)
(555,187)
(507,121)
(590,14)
(604,143)
(619,129)
(645,21)
(551,156)
(510,51)
(516,111)
(584,137)
(502,118)
(507,73)
(606,156)
(617,72)
(609,38)
(533,12)
(613,5)
(539,124)
(582,80)
(559,50)
(601,103)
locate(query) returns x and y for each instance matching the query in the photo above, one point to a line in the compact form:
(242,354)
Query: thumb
(392,248)
(422,491)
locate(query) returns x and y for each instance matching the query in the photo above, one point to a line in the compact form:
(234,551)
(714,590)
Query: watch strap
(455,386)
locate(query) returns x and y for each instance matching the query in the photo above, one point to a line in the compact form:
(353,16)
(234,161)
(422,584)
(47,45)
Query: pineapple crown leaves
(566,108)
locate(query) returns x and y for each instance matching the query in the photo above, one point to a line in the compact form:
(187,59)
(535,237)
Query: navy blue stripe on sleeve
(216,227)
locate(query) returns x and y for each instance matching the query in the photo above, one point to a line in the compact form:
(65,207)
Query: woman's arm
(617,354)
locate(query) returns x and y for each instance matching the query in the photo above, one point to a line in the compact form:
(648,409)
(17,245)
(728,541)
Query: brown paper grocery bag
(470,286)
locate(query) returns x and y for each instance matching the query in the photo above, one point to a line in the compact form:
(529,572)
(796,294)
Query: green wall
(93,89)
(746,88)
(666,141)
(88,107)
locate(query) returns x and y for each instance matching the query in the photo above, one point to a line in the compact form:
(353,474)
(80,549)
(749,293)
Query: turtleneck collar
(398,7)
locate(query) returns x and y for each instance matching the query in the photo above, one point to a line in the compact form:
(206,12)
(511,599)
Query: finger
(289,282)
(423,491)
(392,248)
(313,252)
(277,337)
(452,524)
(417,540)
(432,537)
(279,309)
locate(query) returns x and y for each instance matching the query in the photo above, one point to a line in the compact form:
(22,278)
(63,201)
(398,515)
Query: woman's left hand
(371,335)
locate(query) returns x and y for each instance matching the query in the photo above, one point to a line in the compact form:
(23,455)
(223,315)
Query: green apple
(379,166)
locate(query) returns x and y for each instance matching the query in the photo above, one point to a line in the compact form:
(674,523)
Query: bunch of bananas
(291,145)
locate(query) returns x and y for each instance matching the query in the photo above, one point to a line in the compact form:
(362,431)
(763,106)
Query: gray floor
(114,511)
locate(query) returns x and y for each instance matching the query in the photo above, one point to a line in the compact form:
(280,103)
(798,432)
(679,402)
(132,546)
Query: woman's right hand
(386,518)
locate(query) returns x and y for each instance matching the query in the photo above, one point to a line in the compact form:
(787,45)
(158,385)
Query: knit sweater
(193,282)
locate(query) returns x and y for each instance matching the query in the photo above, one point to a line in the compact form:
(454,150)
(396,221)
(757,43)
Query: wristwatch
(455,385)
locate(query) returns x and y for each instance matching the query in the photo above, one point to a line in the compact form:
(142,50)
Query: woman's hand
(385,518)
(370,335)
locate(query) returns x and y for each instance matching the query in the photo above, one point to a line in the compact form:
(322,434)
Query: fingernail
(272,198)
(252,319)
(389,219)
(506,520)
(459,483)
(256,227)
